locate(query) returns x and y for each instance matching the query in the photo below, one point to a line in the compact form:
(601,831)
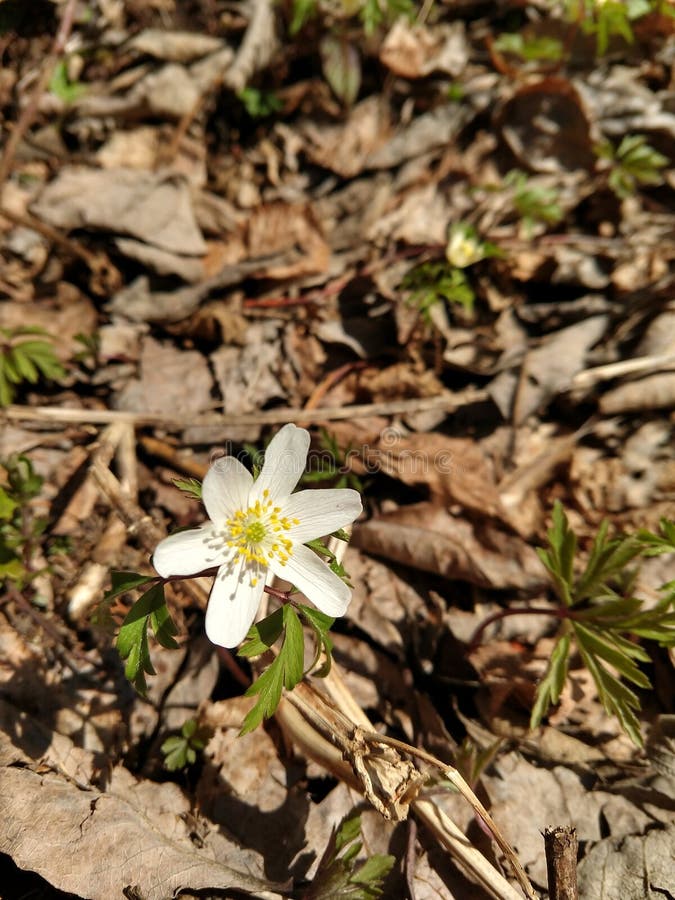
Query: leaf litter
(216,216)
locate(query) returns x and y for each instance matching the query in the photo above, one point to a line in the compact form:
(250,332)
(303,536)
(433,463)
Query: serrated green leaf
(262,635)
(163,626)
(123,582)
(293,649)
(10,370)
(320,624)
(132,640)
(374,870)
(607,647)
(317,619)
(319,547)
(285,671)
(189,486)
(23,365)
(7,392)
(338,875)
(349,831)
(551,685)
(7,505)
(606,613)
(616,698)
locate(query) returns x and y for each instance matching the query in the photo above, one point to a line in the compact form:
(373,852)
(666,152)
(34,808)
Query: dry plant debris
(441,237)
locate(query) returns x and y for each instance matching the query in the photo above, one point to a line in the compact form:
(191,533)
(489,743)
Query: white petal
(321,512)
(225,488)
(285,461)
(233,604)
(316,581)
(188,552)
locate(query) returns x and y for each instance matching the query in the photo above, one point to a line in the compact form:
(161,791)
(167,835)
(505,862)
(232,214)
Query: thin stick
(460,784)
(561,862)
(30,110)
(449,402)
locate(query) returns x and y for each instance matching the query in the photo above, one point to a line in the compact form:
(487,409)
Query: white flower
(259,525)
(464,248)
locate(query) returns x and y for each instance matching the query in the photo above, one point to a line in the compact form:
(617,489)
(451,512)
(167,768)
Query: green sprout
(339,875)
(19,528)
(62,87)
(530,48)
(534,203)
(259,104)
(180,750)
(632,164)
(23,357)
(436,282)
(602,619)
(607,19)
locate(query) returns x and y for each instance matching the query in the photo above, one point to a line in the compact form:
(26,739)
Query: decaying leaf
(426,537)
(153,208)
(140,837)
(413,52)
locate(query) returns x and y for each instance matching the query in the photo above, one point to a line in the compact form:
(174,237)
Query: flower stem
(557,612)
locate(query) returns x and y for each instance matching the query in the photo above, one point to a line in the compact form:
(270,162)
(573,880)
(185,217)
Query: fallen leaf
(169,378)
(636,867)
(426,537)
(95,844)
(153,208)
(292,231)
(415,51)
(176,46)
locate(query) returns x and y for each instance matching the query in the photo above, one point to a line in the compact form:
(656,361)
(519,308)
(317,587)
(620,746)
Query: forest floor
(440,238)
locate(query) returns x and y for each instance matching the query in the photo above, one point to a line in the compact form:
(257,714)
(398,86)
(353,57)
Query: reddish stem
(560,612)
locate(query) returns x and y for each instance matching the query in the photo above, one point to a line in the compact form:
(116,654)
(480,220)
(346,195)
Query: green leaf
(132,640)
(559,557)
(123,582)
(551,685)
(191,487)
(7,392)
(341,67)
(320,624)
(608,648)
(608,559)
(62,87)
(655,544)
(263,635)
(7,505)
(616,698)
(164,628)
(285,671)
(23,365)
(302,12)
(339,875)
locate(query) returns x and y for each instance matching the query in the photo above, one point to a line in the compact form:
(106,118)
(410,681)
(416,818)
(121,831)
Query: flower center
(257,533)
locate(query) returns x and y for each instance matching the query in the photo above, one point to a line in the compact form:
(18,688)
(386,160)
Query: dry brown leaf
(414,51)
(174,46)
(95,844)
(456,470)
(426,537)
(527,798)
(549,369)
(292,231)
(153,208)
(652,392)
(633,867)
(174,379)
(345,148)
(69,314)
